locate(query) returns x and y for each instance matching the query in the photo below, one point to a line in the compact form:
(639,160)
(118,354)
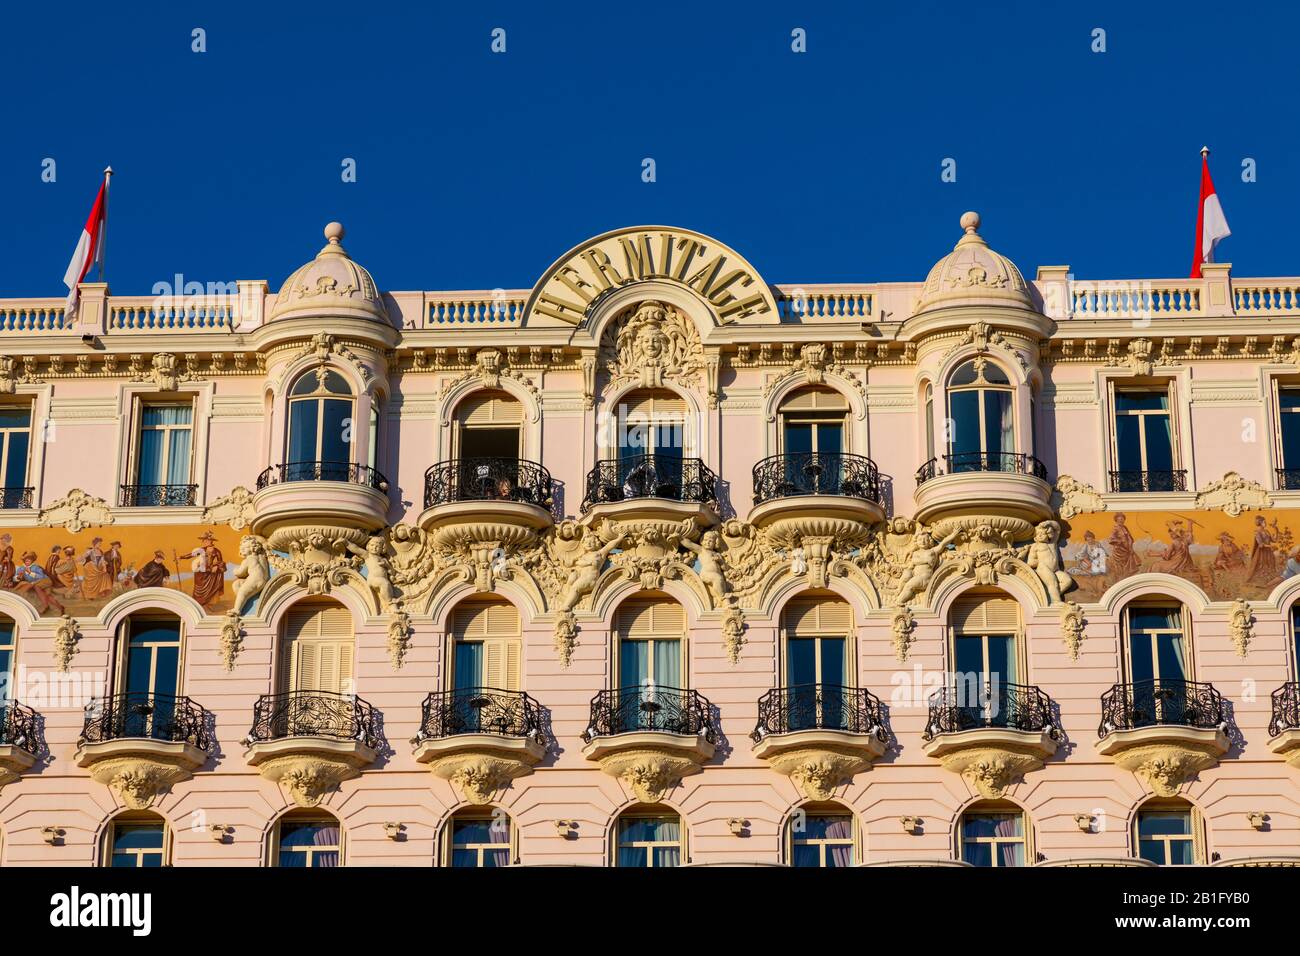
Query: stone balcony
(1166,731)
(964,490)
(992,734)
(140,745)
(489,508)
(339,494)
(19,740)
(311,741)
(650,737)
(480,738)
(820,735)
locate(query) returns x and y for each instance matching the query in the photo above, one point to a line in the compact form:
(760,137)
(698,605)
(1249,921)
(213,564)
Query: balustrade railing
(313,713)
(650,707)
(969,705)
(855,710)
(816,473)
(1135,481)
(19,727)
(146,716)
(1011,463)
(487,479)
(1159,703)
(480,710)
(650,476)
(322,471)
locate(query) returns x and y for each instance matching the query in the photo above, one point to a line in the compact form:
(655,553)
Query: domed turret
(973,274)
(332,284)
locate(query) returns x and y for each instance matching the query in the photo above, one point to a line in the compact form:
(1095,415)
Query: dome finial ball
(334,232)
(970,221)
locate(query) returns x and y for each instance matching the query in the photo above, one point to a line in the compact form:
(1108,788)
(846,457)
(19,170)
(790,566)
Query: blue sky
(476,170)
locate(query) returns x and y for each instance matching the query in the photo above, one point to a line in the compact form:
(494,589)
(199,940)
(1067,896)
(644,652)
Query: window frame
(659,810)
(994,808)
(136,458)
(447,846)
(30,405)
(1196,827)
(1278,384)
(854,840)
(273,859)
(618,636)
(130,818)
(123,651)
(321,395)
(1169,387)
(460,426)
(982,385)
(850,668)
(1184,629)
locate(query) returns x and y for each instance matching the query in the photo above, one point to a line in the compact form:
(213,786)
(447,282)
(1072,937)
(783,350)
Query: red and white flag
(1211,226)
(90,247)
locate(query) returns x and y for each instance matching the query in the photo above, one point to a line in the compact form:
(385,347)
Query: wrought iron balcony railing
(146,716)
(975,704)
(313,713)
(1160,703)
(346,471)
(816,473)
(1006,462)
(650,707)
(1134,481)
(158,496)
(18,727)
(1288,479)
(1286,709)
(480,710)
(487,479)
(784,710)
(650,476)
(11,498)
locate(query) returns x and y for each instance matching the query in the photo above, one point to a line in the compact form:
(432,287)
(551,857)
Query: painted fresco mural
(59,572)
(1228,557)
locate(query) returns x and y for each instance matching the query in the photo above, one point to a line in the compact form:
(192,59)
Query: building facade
(653,564)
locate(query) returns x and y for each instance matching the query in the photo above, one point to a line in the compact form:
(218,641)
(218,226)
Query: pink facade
(946,448)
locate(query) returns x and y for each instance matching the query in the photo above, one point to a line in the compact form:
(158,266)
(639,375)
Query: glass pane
(1152,851)
(15,416)
(969,657)
(832,661)
(336,383)
(1141,667)
(303,417)
(15,475)
(1173,665)
(469,664)
(965,411)
(667,856)
(139,670)
(801,660)
(632,856)
(634,663)
(1002,659)
(1128,443)
(147,836)
(798,438)
(1154,618)
(830,438)
(151,455)
(1291,439)
(166,669)
(464,858)
(336,427)
(669,439)
(1153,822)
(808,856)
(977,854)
(1142,401)
(964,375)
(178,458)
(1160,443)
(471,831)
(496,858)
(1288,398)
(998,435)
(668,663)
(1180,852)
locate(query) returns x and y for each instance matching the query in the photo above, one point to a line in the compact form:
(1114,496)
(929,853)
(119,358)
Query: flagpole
(103,234)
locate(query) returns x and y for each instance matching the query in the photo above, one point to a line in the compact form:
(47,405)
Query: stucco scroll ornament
(653,345)
(1240,626)
(733,632)
(983,337)
(66,637)
(1072,627)
(322,345)
(812,366)
(254,570)
(1077,498)
(566,637)
(399,633)
(232,638)
(1233,494)
(1044,558)
(490,366)
(76,511)
(235,509)
(903,626)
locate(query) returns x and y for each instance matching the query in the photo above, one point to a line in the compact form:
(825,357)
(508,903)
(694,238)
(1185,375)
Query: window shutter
(497,626)
(643,619)
(815,400)
(318,649)
(986,615)
(490,408)
(654,405)
(818,618)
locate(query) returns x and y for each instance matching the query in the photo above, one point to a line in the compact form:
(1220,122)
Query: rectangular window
(649,842)
(308,844)
(480,842)
(993,839)
(1165,837)
(1144,452)
(825,840)
(15,453)
(1288,437)
(164,455)
(137,845)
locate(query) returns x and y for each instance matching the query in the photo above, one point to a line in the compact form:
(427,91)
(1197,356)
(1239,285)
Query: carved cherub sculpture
(925,560)
(1045,558)
(709,551)
(253,572)
(586,571)
(376,562)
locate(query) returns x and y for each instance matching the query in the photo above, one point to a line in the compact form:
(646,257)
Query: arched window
(321,418)
(487,649)
(1168,833)
(489,424)
(479,837)
(816,661)
(649,636)
(1157,664)
(986,651)
(822,835)
(994,834)
(652,422)
(929,420)
(149,673)
(648,837)
(981,411)
(136,839)
(307,839)
(316,652)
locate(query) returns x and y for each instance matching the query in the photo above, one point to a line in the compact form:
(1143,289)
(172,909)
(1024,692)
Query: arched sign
(718,274)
